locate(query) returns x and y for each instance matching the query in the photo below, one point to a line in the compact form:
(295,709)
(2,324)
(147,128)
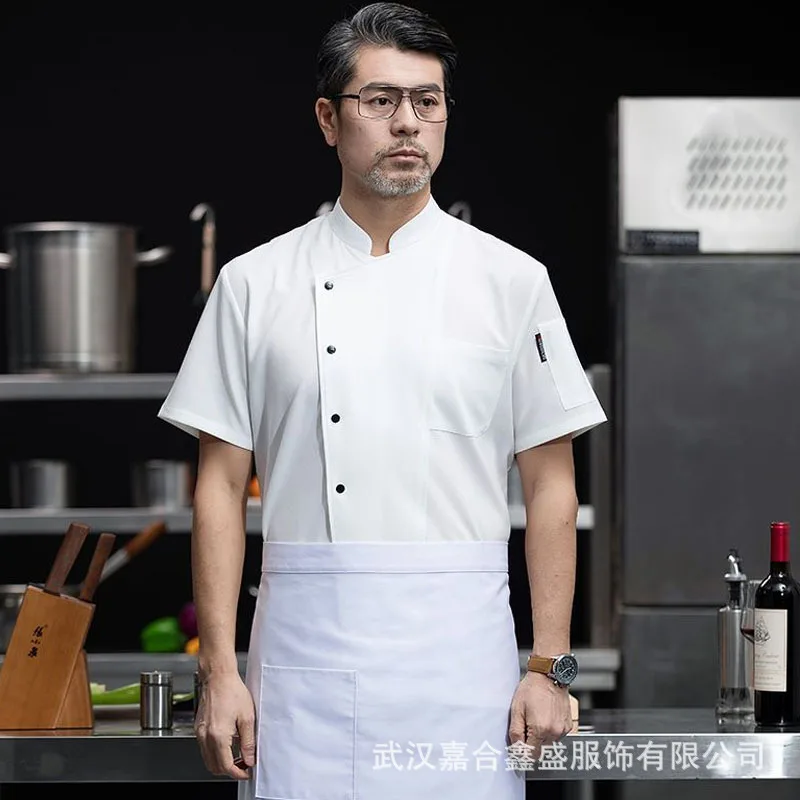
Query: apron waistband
(384,557)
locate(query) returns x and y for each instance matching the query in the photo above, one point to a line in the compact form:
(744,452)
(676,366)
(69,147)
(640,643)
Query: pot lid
(66,227)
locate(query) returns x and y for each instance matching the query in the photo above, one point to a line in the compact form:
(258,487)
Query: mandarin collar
(412,231)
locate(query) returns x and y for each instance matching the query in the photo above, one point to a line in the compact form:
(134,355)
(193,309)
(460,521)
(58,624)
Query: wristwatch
(561,669)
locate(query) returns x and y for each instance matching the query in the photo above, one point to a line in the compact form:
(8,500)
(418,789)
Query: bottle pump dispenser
(735,651)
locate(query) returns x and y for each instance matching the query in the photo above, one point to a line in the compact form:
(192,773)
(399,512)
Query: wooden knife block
(44,681)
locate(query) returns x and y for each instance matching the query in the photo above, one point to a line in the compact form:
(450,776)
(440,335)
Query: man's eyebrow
(384,85)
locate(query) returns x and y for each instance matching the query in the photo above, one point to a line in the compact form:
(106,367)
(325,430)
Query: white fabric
(359,695)
(383,610)
(437,378)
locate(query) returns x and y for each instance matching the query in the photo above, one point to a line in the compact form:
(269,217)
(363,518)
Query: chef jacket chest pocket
(467,380)
(306,734)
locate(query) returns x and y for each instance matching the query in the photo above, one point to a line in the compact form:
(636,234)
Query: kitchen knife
(65,558)
(143,539)
(208,256)
(101,552)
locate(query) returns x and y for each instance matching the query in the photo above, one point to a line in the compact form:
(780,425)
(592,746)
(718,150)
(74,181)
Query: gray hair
(381,25)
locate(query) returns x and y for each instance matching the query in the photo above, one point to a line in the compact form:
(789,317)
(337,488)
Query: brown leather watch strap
(541,664)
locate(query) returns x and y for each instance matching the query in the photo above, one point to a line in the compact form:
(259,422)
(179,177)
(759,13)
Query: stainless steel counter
(647,744)
(117,750)
(668,744)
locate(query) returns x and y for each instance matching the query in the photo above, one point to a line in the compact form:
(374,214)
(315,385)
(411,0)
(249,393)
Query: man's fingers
(221,756)
(516,727)
(534,746)
(546,735)
(535,737)
(221,753)
(206,749)
(247,740)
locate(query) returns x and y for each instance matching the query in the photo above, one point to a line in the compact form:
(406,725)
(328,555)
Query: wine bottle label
(769,649)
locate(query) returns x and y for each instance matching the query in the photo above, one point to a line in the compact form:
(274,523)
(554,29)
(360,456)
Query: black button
(331,348)
(335,418)
(329,284)
(340,488)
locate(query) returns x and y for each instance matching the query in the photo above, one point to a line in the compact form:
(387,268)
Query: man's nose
(404,119)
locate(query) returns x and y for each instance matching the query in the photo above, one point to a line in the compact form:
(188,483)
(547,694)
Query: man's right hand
(226,712)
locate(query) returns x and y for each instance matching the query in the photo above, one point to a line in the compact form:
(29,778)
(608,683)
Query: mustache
(416,147)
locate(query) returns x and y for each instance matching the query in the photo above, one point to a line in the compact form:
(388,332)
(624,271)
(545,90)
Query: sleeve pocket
(306,734)
(566,370)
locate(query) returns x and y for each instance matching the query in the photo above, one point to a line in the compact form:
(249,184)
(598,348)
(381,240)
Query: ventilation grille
(746,173)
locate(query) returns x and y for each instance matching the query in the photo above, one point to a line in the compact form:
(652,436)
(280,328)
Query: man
(383,364)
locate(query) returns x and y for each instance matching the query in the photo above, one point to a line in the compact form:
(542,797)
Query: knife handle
(65,558)
(101,552)
(207,259)
(145,538)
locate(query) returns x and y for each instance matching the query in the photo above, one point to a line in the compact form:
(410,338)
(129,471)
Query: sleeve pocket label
(565,367)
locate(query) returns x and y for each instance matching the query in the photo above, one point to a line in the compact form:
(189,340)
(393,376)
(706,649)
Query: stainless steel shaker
(155,703)
(735,698)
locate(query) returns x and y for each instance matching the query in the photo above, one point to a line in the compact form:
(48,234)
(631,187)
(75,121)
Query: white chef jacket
(383,397)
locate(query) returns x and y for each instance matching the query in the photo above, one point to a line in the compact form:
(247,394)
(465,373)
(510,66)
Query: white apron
(383,671)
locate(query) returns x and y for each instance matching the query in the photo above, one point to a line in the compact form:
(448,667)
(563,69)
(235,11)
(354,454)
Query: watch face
(565,669)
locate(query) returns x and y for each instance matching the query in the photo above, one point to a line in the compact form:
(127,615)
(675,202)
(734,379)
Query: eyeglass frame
(406,92)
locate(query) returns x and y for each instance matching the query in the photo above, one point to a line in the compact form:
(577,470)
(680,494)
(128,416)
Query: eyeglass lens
(381,102)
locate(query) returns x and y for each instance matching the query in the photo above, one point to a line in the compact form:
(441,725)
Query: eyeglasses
(382,102)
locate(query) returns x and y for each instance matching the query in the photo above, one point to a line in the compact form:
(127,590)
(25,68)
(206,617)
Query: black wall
(137,119)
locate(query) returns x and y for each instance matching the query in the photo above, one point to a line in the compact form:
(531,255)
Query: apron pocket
(306,734)
(467,381)
(568,375)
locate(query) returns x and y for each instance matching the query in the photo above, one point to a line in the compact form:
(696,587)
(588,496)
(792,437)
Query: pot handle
(155,256)
(5,260)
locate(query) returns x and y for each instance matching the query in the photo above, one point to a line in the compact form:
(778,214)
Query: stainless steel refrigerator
(706,376)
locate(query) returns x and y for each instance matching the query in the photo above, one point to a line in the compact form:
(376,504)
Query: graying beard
(384,186)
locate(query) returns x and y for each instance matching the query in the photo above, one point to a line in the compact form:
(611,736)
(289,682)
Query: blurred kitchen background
(691,335)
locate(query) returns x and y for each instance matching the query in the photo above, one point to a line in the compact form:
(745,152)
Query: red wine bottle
(776,666)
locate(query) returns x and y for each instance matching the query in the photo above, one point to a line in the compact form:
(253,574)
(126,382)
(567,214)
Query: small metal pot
(42,483)
(162,484)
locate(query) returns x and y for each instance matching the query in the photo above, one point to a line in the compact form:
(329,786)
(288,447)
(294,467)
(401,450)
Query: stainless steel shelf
(113,386)
(94,386)
(114,520)
(132,520)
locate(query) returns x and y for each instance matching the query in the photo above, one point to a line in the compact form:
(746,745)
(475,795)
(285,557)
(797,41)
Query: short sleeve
(210,392)
(551,394)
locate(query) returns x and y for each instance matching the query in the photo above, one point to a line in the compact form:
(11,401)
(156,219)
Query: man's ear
(327,119)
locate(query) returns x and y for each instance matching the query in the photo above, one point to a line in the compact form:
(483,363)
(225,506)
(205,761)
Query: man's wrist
(550,650)
(217,664)
(546,680)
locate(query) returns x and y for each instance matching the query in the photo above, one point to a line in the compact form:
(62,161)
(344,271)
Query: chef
(383,365)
